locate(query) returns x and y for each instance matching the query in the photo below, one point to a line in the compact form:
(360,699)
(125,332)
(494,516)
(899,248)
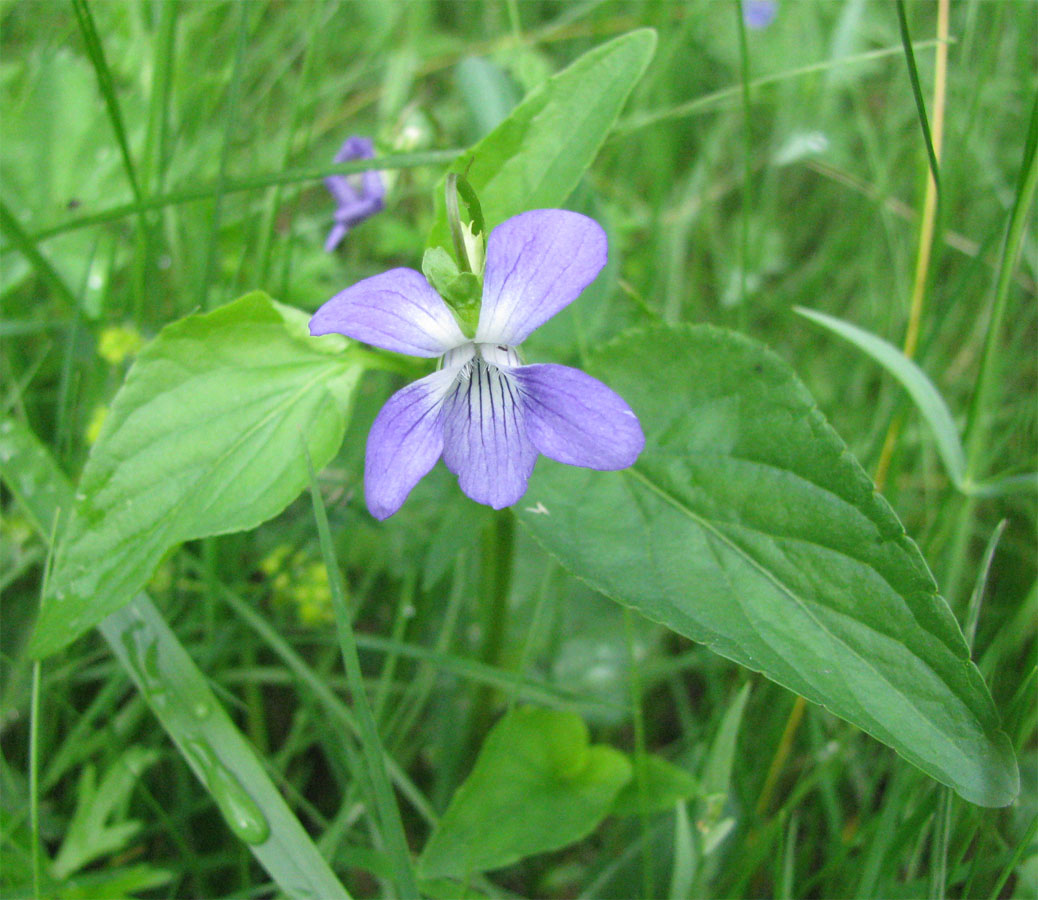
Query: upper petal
(484,436)
(404,443)
(537,264)
(396,310)
(355,147)
(575,419)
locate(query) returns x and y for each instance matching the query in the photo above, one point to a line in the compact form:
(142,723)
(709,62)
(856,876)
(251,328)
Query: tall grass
(162,157)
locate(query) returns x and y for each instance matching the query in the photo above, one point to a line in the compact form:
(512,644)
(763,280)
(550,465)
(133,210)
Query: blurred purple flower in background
(483,411)
(357,197)
(759,13)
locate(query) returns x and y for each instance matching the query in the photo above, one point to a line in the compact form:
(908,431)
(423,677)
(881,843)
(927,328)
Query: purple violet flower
(357,197)
(759,13)
(486,413)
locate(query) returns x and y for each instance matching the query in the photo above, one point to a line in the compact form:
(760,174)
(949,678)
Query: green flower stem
(498,550)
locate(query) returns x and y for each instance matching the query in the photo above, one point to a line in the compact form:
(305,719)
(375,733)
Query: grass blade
(238,185)
(388,811)
(917,92)
(26,244)
(914,380)
(95,51)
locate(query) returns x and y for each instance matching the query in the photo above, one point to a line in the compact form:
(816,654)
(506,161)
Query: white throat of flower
(498,356)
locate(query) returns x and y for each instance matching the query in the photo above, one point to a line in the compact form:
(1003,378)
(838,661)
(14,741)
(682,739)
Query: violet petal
(484,436)
(404,443)
(537,264)
(355,147)
(575,419)
(396,310)
(341,190)
(335,236)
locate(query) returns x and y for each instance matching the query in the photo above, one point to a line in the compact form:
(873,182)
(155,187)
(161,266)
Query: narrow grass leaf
(921,389)
(985,393)
(746,525)
(717,773)
(181,699)
(26,245)
(388,812)
(95,50)
(683,872)
(917,93)
(208,191)
(202,439)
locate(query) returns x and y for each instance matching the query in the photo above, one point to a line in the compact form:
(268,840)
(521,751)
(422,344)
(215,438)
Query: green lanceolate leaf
(205,437)
(746,525)
(537,785)
(536,156)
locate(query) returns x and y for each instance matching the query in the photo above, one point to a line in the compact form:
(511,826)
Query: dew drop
(240,811)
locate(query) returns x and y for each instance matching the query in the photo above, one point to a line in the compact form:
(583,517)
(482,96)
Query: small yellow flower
(118,342)
(97,419)
(298,581)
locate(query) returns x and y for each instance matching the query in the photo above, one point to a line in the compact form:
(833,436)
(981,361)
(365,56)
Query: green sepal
(461,291)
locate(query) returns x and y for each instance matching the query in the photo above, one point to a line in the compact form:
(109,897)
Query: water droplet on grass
(241,812)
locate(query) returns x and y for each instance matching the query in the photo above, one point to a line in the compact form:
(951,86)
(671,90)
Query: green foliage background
(228,114)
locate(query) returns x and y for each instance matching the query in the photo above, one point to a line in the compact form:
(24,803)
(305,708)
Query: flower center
(500,356)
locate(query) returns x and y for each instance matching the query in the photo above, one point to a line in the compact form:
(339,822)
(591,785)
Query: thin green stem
(34,780)
(26,244)
(635,684)
(1018,854)
(230,120)
(95,50)
(495,582)
(747,172)
(388,811)
(917,93)
(716,98)
(939,845)
(983,397)
(987,378)
(238,185)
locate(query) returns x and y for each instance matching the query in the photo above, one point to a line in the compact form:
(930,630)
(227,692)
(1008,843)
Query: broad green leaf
(537,785)
(179,695)
(536,156)
(746,525)
(205,437)
(655,786)
(914,380)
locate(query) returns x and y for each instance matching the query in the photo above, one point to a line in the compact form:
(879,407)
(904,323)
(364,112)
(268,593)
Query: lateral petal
(575,419)
(396,310)
(484,436)
(537,264)
(405,441)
